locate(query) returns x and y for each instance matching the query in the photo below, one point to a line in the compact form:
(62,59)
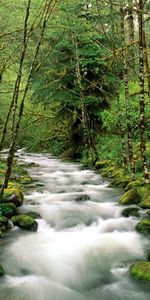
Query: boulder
(25,222)
(13,195)
(145,204)
(141,271)
(2,272)
(131,211)
(82,198)
(7,209)
(143,226)
(130,197)
(102,163)
(33,215)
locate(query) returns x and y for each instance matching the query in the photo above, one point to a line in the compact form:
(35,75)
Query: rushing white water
(82,249)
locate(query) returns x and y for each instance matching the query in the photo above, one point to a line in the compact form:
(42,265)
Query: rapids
(82,249)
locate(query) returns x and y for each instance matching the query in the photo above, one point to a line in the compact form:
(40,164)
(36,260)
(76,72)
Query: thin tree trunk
(127,97)
(130,20)
(48,10)
(18,79)
(120,125)
(141,99)
(88,140)
(145,58)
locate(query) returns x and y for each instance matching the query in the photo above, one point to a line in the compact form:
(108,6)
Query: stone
(143,226)
(141,271)
(13,195)
(130,197)
(102,163)
(145,204)
(131,211)
(25,222)
(33,215)
(82,198)
(2,272)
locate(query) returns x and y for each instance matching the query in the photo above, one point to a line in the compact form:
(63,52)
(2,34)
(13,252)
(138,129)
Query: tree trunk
(145,58)
(141,99)
(14,101)
(120,125)
(130,20)
(17,126)
(127,97)
(87,136)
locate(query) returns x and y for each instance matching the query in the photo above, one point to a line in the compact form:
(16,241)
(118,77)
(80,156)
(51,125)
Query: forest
(75,84)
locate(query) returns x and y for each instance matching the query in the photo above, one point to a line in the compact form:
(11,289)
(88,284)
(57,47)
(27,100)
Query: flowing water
(83,247)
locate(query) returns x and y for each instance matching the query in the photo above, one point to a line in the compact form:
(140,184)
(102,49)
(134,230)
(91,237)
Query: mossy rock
(13,195)
(145,204)
(133,184)
(144,192)
(143,226)
(2,272)
(141,271)
(33,215)
(25,180)
(102,163)
(130,197)
(7,210)
(25,222)
(131,211)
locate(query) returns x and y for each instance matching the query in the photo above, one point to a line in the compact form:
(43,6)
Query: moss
(7,210)
(131,211)
(133,184)
(2,272)
(141,271)
(143,226)
(102,163)
(25,222)
(145,204)
(144,192)
(13,195)
(25,180)
(130,197)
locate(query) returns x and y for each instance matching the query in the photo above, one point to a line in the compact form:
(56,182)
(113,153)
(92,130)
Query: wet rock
(2,272)
(7,209)
(143,226)
(82,198)
(25,222)
(33,215)
(13,195)
(145,204)
(101,164)
(131,211)
(133,184)
(130,197)
(148,256)
(141,271)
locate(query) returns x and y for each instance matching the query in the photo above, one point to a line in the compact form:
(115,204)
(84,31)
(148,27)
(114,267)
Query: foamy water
(82,250)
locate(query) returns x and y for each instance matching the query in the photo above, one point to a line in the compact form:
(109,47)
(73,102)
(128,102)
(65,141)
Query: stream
(83,247)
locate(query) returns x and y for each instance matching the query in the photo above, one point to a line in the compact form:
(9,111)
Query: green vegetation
(144,226)
(25,222)
(141,271)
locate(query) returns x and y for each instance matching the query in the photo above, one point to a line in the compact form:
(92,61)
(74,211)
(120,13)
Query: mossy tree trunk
(13,105)
(127,96)
(141,98)
(46,15)
(120,123)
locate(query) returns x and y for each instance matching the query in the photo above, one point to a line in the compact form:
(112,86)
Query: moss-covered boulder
(33,215)
(102,163)
(143,226)
(25,222)
(130,197)
(2,272)
(145,204)
(4,225)
(133,184)
(141,271)
(13,195)
(7,210)
(131,211)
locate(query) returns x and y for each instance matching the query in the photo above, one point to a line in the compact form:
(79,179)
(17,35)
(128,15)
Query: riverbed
(83,247)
